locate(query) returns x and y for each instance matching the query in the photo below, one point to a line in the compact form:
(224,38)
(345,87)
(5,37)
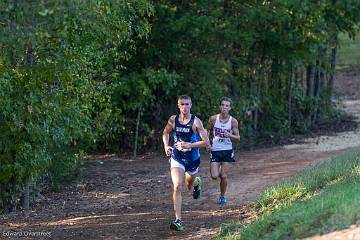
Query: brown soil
(347,84)
(130,198)
(351,233)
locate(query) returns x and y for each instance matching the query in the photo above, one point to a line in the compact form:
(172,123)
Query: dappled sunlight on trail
(351,233)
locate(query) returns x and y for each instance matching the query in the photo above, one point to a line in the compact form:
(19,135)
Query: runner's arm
(235,135)
(199,128)
(166,135)
(209,126)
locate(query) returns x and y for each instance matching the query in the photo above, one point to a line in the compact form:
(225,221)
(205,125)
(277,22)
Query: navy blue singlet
(184,132)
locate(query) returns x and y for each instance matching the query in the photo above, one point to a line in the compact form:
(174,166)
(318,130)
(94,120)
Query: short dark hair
(225,99)
(185,97)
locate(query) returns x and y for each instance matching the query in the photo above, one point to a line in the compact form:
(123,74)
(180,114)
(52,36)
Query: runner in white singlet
(224,130)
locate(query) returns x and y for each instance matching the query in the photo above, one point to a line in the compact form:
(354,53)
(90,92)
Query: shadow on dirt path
(125,198)
(131,198)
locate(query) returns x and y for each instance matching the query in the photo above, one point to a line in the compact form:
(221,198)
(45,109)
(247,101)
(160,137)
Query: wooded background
(103,75)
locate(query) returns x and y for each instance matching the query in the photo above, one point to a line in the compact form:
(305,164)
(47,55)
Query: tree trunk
(256,113)
(137,132)
(12,204)
(332,66)
(26,194)
(289,94)
(310,75)
(310,90)
(318,94)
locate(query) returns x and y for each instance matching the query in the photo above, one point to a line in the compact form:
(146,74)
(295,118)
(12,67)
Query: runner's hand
(181,146)
(227,134)
(168,150)
(208,147)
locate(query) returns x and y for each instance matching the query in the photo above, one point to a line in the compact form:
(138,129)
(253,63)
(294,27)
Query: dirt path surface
(127,198)
(131,198)
(351,233)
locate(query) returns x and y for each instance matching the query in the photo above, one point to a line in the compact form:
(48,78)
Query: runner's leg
(223,177)
(189,180)
(177,177)
(215,170)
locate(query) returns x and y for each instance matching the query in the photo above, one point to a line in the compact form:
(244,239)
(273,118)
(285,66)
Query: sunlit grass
(320,199)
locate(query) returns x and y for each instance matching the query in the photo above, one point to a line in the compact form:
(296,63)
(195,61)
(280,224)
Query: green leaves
(75,74)
(139,90)
(59,59)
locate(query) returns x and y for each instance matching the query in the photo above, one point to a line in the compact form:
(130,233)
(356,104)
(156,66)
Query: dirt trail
(131,198)
(126,198)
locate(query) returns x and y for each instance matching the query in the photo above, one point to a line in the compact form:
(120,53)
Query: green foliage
(83,74)
(246,50)
(58,59)
(130,94)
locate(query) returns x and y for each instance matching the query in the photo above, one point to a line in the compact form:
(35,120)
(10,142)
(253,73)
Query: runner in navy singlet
(189,135)
(189,158)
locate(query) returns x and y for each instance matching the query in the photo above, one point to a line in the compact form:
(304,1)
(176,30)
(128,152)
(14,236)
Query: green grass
(320,199)
(349,50)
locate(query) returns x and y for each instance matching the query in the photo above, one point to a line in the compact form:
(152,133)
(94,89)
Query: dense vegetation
(55,94)
(79,75)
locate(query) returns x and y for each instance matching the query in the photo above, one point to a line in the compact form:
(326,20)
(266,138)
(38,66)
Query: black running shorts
(222,156)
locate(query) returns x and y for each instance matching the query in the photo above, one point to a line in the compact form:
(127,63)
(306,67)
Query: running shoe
(197,188)
(177,225)
(222,200)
